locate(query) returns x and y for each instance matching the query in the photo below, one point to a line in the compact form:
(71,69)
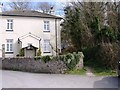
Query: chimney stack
(52,11)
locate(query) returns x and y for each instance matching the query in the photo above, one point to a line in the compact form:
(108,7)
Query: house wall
(0,36)
(24,25)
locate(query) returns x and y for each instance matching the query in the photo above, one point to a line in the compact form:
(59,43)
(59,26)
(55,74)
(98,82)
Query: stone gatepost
(3,50)
(80,64)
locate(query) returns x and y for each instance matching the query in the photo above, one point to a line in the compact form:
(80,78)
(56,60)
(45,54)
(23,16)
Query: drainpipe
(39,43)
(3,50)
(56,35)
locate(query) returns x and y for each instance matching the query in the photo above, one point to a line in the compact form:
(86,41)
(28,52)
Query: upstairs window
(9,25)
(9,45)
(46,26)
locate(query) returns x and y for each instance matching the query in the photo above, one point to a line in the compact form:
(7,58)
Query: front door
(30,53)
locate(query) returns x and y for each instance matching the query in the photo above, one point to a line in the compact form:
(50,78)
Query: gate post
(3,50)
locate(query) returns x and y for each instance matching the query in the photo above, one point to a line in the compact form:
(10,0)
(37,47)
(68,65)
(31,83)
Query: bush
(77,57)
(71,60)
(110,54)
(104,55)
(39,52)
(69,49)
(62,58)
(46,58)
(37,57)
(21,53)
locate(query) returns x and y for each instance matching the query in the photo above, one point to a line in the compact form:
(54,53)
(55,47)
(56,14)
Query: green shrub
(46,58)
(77,57)
(62,57)
(37,57)
(71,60)
(21,52)
(39,52)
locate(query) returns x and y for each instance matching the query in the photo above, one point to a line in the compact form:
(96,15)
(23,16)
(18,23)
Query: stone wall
(0,63)
(31,65)
(39,66)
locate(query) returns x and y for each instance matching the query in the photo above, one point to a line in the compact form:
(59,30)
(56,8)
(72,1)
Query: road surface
(14,79)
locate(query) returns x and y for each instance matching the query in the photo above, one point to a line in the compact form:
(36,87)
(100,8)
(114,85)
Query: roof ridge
(29,13)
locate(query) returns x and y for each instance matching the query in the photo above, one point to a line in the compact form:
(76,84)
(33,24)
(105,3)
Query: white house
(29,30)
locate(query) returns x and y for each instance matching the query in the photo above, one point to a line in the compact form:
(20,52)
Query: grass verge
(77,72)
(104,72)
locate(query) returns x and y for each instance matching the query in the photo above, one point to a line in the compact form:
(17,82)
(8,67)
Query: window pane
(46,25)
(9,24)
(9,45)
(46,45)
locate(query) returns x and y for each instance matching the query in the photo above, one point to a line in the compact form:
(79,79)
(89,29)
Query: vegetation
(21,53)
(71,60)
(100,70)
(76,72)
(39,52)
(46,58)
(91,28)
(37,57)
(104,72)
(45,7)
(17,5)
(23,5)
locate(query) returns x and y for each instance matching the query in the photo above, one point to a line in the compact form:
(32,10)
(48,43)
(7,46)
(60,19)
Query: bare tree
(20,5)
(45,7)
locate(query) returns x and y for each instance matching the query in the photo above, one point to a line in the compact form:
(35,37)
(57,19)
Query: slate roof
(29,13)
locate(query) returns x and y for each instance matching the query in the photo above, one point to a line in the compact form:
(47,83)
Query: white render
(25,26)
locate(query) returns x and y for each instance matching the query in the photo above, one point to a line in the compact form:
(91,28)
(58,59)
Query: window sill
(46,31)
(46,52)
(9,30)
(8,52)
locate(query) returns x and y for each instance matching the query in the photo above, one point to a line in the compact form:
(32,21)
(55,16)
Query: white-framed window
(46,26)
(9,45)
(47,46)
(9,25)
